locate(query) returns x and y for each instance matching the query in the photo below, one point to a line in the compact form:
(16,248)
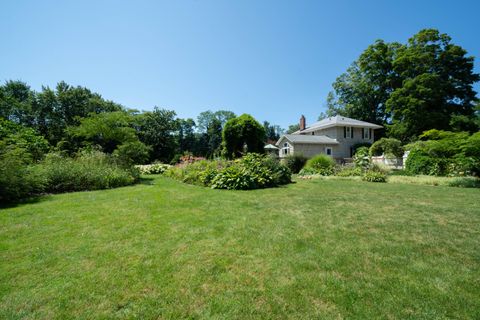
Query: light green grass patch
(317,249)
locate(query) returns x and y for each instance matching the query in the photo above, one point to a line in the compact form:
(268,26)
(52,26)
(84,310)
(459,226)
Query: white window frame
(286,149)
(326,151)
(366,133)
(349,132)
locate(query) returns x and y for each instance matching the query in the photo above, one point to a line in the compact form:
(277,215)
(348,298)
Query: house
(334,136)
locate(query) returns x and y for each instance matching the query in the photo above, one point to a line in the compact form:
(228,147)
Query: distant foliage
(295,162)
(320,164)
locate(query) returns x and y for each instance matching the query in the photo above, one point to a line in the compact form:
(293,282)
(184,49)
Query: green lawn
(315,249)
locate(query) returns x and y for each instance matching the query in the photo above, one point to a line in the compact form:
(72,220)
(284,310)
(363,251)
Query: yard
(327,249)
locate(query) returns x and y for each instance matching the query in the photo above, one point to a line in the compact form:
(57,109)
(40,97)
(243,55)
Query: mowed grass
(316,249)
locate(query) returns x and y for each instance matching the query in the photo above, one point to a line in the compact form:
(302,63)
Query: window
(286,148)
(348,132)
(313,133)
(328,151)
(366,133)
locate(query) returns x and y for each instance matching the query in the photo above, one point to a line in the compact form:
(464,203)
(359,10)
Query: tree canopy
(424,84)
(242,134)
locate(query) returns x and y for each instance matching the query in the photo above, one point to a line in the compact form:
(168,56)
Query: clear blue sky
(273,59)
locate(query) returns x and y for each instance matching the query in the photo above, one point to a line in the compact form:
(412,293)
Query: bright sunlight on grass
(315,249)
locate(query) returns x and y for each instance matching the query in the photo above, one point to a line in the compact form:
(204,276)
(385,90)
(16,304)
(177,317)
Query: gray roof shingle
(339,121)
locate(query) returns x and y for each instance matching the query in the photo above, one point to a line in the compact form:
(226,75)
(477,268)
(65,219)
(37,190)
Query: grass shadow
(146,180)
(30,200)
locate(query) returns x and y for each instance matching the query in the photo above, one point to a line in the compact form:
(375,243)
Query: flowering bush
(154,168)
(253,171)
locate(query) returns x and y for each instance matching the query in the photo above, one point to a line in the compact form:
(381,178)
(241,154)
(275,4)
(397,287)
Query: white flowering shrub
(155,168)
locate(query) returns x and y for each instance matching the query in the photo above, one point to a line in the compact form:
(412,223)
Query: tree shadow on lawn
(146,180)
(30,200)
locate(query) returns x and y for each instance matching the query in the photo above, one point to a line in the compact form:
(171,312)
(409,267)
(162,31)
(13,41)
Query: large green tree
(107,130)
(424,84)
(50,111)
(242,134)
(157,129)
(437,84)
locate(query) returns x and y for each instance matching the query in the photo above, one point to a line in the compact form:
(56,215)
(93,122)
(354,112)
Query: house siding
(340,151)
(310,150)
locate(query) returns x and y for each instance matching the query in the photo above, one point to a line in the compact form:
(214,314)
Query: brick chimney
(302,123)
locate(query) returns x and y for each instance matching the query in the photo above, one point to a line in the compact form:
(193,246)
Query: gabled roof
(307,139)
(338,121)
(270,147)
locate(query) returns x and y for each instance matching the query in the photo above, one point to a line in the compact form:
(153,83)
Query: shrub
(87,171)
(390,147)
(154,168)
(295,162)
(131,152)
(420,162)
(362,158)
(233,178)
(199,172)
(253,171)
(356,146)
(321,164)
(349,172)
(374,176)
(465,182)
(307,172)
(17,178)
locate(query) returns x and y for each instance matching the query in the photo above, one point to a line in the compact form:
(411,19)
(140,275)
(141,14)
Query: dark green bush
(18,179)
(420,162)
(132,152)
(295,162)
(465,182)
(320,164)
(374,176)
(390,147)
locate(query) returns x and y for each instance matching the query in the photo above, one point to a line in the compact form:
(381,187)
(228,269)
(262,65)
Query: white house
(334,136)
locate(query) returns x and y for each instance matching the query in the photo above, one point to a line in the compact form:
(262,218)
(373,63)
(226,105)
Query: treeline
(426,83)
(71,139)
(74,118)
